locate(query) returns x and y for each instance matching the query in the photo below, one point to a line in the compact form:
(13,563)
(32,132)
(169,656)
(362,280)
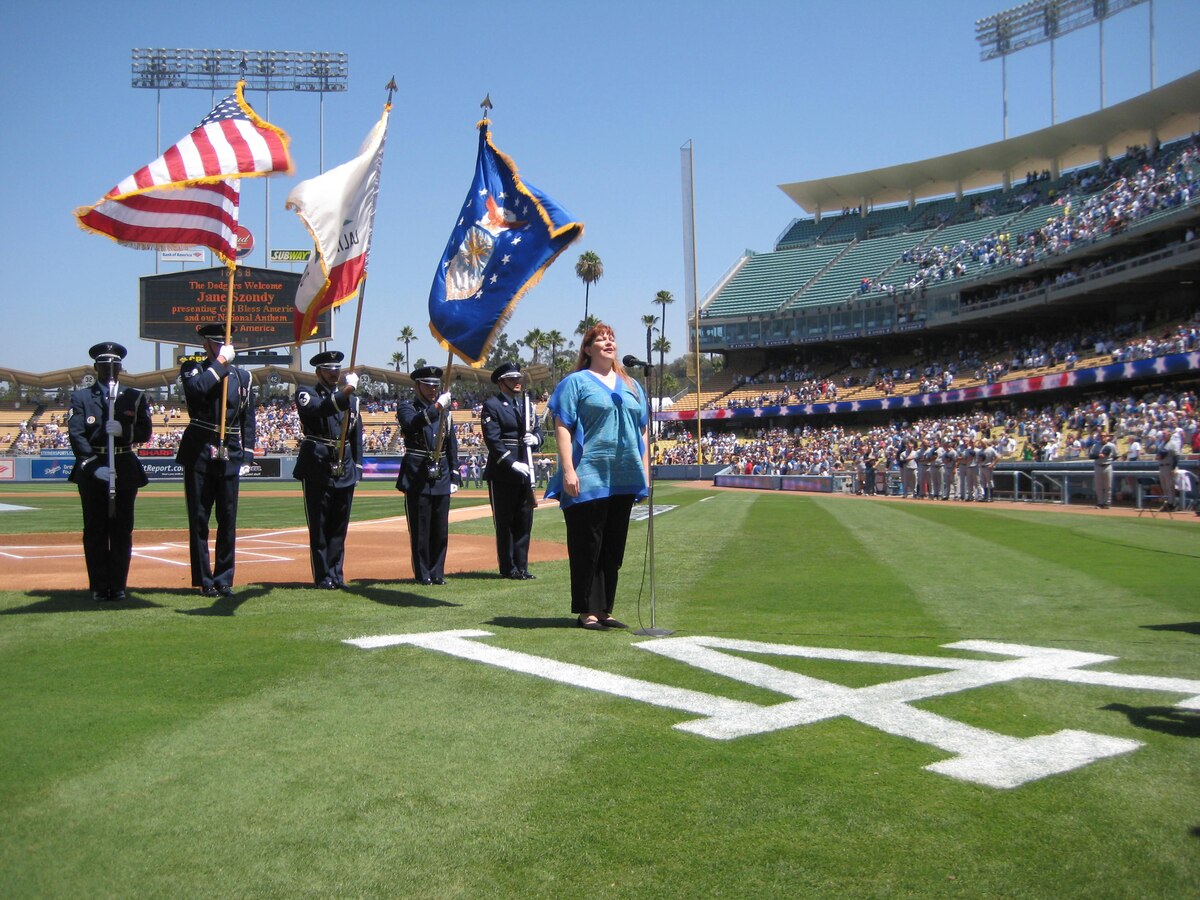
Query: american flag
(189,196)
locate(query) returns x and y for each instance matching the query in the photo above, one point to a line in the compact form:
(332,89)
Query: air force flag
(507,234)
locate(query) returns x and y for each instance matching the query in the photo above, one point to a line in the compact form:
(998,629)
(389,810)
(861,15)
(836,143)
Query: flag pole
(391,88)
(485,104)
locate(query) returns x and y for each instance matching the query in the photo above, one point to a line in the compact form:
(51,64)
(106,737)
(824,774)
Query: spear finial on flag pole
(486,104)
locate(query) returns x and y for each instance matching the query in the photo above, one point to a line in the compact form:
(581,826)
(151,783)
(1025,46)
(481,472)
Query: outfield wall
(1063,482)
(56,465)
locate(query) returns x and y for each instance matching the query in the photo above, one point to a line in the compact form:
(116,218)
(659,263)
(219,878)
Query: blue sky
(592,101)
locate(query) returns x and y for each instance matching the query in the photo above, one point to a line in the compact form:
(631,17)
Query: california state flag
(338,209)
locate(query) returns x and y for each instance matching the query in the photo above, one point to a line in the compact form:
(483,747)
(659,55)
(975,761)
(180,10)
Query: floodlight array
(263,70)
(1039,21)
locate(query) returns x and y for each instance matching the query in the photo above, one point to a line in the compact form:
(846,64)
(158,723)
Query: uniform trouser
(327,509)
(922,481)
(107,543)
(428,532)
(596,533)
(1104,485)
(1166,479)
(512,517)
(869,484)
(203,490)
(908,481)
(935,482)
(972,482)
(986,481)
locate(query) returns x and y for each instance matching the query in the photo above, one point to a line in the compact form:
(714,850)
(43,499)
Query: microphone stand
(652,631)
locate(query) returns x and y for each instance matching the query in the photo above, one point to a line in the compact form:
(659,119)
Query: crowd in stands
(1143,183)
(988,359)
(1018,433)
(276,421)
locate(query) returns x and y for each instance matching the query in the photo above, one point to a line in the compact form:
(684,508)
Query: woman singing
(600,419)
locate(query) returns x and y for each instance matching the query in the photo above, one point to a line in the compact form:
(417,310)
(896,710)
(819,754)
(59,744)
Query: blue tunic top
(606,444)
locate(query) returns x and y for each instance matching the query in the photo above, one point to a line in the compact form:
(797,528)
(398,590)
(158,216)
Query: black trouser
(596,532)
(107,543)
(202,490)
(327,509)
(428,531)
(512,517)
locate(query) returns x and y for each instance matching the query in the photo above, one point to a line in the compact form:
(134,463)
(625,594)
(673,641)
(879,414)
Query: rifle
(112,469)
(527,412)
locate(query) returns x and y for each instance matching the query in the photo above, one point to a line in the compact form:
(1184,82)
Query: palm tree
(585,324)
(649,321)
(554,339)
(590,269)
(663,346)
(408,336)
(663,299)
(535,341)
(397,358)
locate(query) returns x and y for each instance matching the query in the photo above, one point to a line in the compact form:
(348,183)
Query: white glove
(454,488)
(444,400)
(227,353)
(351,380)
(243,471)
(101,473)
(521,469)
(113,427)
(530,440)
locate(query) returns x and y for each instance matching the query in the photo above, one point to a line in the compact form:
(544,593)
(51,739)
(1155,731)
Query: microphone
(632,362)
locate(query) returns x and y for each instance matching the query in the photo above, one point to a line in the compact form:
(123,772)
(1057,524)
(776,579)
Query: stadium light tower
(1039,21)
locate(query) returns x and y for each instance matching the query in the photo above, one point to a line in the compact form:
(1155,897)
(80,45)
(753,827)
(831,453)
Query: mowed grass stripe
(254,754)
(793,568)
(428,787)
(1012,576)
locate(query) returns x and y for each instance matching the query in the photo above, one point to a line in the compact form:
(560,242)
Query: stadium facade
(1031,230)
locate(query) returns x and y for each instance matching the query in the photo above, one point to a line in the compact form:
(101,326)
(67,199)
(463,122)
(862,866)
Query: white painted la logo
(979,756)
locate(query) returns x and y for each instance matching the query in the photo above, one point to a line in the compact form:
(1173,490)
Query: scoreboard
(264,303)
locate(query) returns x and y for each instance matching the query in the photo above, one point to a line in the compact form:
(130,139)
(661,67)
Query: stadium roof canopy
(1166,113)
(70,378)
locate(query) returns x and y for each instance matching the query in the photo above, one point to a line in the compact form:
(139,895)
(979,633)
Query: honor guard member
(107,532)
(427,487)
(328,480)
(509,473)
(212,470)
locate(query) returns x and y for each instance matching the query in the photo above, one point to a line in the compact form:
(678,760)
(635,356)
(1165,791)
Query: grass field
(158,750)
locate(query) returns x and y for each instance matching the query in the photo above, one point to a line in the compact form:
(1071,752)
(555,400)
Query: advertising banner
(377,468)
(50,469)
(8,469)
(196,255)
(169,470)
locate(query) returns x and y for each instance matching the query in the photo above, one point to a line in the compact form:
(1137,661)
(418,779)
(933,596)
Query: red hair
(584,360)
